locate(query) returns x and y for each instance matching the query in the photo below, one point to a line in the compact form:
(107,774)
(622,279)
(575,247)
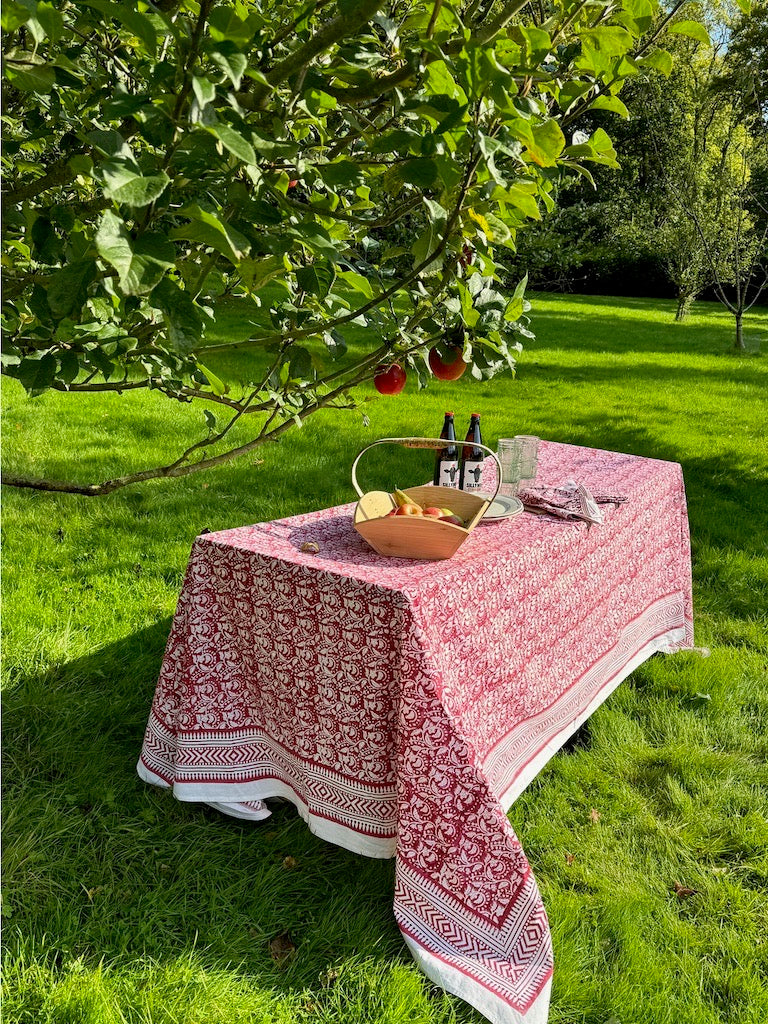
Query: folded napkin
(571,500)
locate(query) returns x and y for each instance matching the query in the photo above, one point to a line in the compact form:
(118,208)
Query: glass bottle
(447,459)
(471,476)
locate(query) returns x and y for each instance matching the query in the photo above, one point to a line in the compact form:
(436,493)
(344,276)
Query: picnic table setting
(400,668)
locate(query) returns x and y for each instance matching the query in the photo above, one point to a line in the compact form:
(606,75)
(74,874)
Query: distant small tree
(738,258)
(716,230)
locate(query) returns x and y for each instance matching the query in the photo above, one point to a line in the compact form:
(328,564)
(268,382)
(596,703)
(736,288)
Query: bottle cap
(449,414)
(477,414)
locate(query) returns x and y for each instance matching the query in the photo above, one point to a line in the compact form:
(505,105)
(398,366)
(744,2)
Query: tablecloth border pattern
(507,764)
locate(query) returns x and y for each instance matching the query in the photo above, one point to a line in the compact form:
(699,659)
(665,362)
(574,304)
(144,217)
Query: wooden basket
(419,537)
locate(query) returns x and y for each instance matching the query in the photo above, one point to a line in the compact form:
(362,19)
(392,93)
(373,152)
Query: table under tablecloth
(402,706)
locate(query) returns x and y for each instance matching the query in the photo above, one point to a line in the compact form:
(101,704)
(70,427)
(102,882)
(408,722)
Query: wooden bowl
(417,536)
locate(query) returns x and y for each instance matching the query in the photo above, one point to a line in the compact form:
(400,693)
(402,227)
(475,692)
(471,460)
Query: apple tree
(333,163)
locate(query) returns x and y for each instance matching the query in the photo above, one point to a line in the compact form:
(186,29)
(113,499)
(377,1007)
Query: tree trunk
(739,341)
(684,303)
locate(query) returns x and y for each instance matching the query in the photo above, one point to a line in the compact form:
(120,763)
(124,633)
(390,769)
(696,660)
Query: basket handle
(423,442)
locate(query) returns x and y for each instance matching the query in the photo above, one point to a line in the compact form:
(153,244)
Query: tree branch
(174,469)
(58,173)
(332,32)
(508,12)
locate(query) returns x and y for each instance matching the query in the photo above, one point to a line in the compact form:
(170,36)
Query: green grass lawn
(121,904)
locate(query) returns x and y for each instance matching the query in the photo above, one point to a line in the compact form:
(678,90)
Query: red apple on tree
(448,364)
(389,380)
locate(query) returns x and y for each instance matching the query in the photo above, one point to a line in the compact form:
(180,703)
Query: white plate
(502,508)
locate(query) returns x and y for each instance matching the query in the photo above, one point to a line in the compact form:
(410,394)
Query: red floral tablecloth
(402,706)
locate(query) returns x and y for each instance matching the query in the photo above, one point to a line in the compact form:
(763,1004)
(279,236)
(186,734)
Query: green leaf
(232,63)
(523,201)
(583,171)
(421,172)
(141,264)
(612,103)
(217,386)
(317,278)
(691,29)
(36,372)
(183,318)
(610,40)
(469,314)
(99,359)
(31,77)
(602,142)
(233,141)
(110,142)
(660,60)
(226,25)
(537,45)
(515,306)
(358,282)
(137,23)
(123,182)
(81,164)
(438,80)
(319,102)
(399,141)
(548,143)
(315,238)
(69,366)
(51,20)
(637,16)
(208,229)
(341,172)
(14,15)
(499,231)
(519,291)
(335,343)
(68,287)
(521,130)
(271,147)
(570,94)
(256,273)
(429,239)
(300,364)
(204,90)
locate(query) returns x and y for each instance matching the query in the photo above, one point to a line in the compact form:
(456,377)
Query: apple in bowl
(409,510)
(452,518)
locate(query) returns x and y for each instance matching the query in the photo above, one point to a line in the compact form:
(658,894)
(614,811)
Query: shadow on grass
(99,865)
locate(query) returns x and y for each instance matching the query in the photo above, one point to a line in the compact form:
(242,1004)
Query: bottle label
(449,473)
(473,476)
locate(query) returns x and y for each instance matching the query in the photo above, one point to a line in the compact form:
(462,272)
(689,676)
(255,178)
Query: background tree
(669,211)
(157,155)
